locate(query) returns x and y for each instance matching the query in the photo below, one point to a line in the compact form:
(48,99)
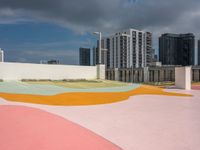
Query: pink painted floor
(24,128)
(145,122)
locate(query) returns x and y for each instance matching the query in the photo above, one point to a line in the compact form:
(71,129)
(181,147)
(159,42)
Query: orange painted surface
(86,98)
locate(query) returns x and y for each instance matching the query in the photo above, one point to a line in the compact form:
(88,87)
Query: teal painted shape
(39,89)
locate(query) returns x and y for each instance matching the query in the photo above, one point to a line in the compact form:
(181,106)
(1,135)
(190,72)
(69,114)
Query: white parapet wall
(19,71)
(183,78)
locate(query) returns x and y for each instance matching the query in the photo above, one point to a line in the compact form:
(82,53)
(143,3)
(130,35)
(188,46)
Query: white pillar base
(101,72)
(183,78)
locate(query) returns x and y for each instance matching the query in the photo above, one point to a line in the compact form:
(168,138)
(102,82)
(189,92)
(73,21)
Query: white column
(101,72)
(1,56)
(183,77)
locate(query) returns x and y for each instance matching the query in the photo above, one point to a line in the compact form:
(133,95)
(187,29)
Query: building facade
(84,56)
(128,49)
(177,49)
(149,74)
(1,55)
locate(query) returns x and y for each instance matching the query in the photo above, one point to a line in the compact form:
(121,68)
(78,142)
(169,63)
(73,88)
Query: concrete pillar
(128,76)
(183,77)
(101,72)
(136,76)
(199,75)
(150,75)
(123,75)
(146,74)
(132,75)
(116,74)
(173,75)
(195,75)
(108,75)
(162,75)
(140,75)
(155,75)
(168,75)
(113,75)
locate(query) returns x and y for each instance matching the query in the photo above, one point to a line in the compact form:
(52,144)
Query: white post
(99,33)
(1,55)
(101,72)
(183,78)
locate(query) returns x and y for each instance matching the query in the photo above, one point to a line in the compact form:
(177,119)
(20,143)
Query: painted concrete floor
(141,123)
(26,128)
(17,87)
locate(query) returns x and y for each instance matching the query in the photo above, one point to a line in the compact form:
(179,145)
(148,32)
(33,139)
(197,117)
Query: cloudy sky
(34,30)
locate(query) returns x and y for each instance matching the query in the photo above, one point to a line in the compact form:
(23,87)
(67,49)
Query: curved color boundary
(87,98)
(24,128)
(42,89)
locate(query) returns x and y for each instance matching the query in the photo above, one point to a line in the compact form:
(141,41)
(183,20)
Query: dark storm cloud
(157,16)
(106,15)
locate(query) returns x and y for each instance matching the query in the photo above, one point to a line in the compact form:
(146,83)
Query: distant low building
(1,55)
(84,56)
(53,61)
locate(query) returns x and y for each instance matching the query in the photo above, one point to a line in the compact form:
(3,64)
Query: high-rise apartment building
(177,49)
(1,55)
(199,52)
(84,56)
(127,49)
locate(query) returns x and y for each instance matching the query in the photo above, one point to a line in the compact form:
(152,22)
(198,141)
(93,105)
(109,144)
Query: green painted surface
(37,89)
(86,84)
